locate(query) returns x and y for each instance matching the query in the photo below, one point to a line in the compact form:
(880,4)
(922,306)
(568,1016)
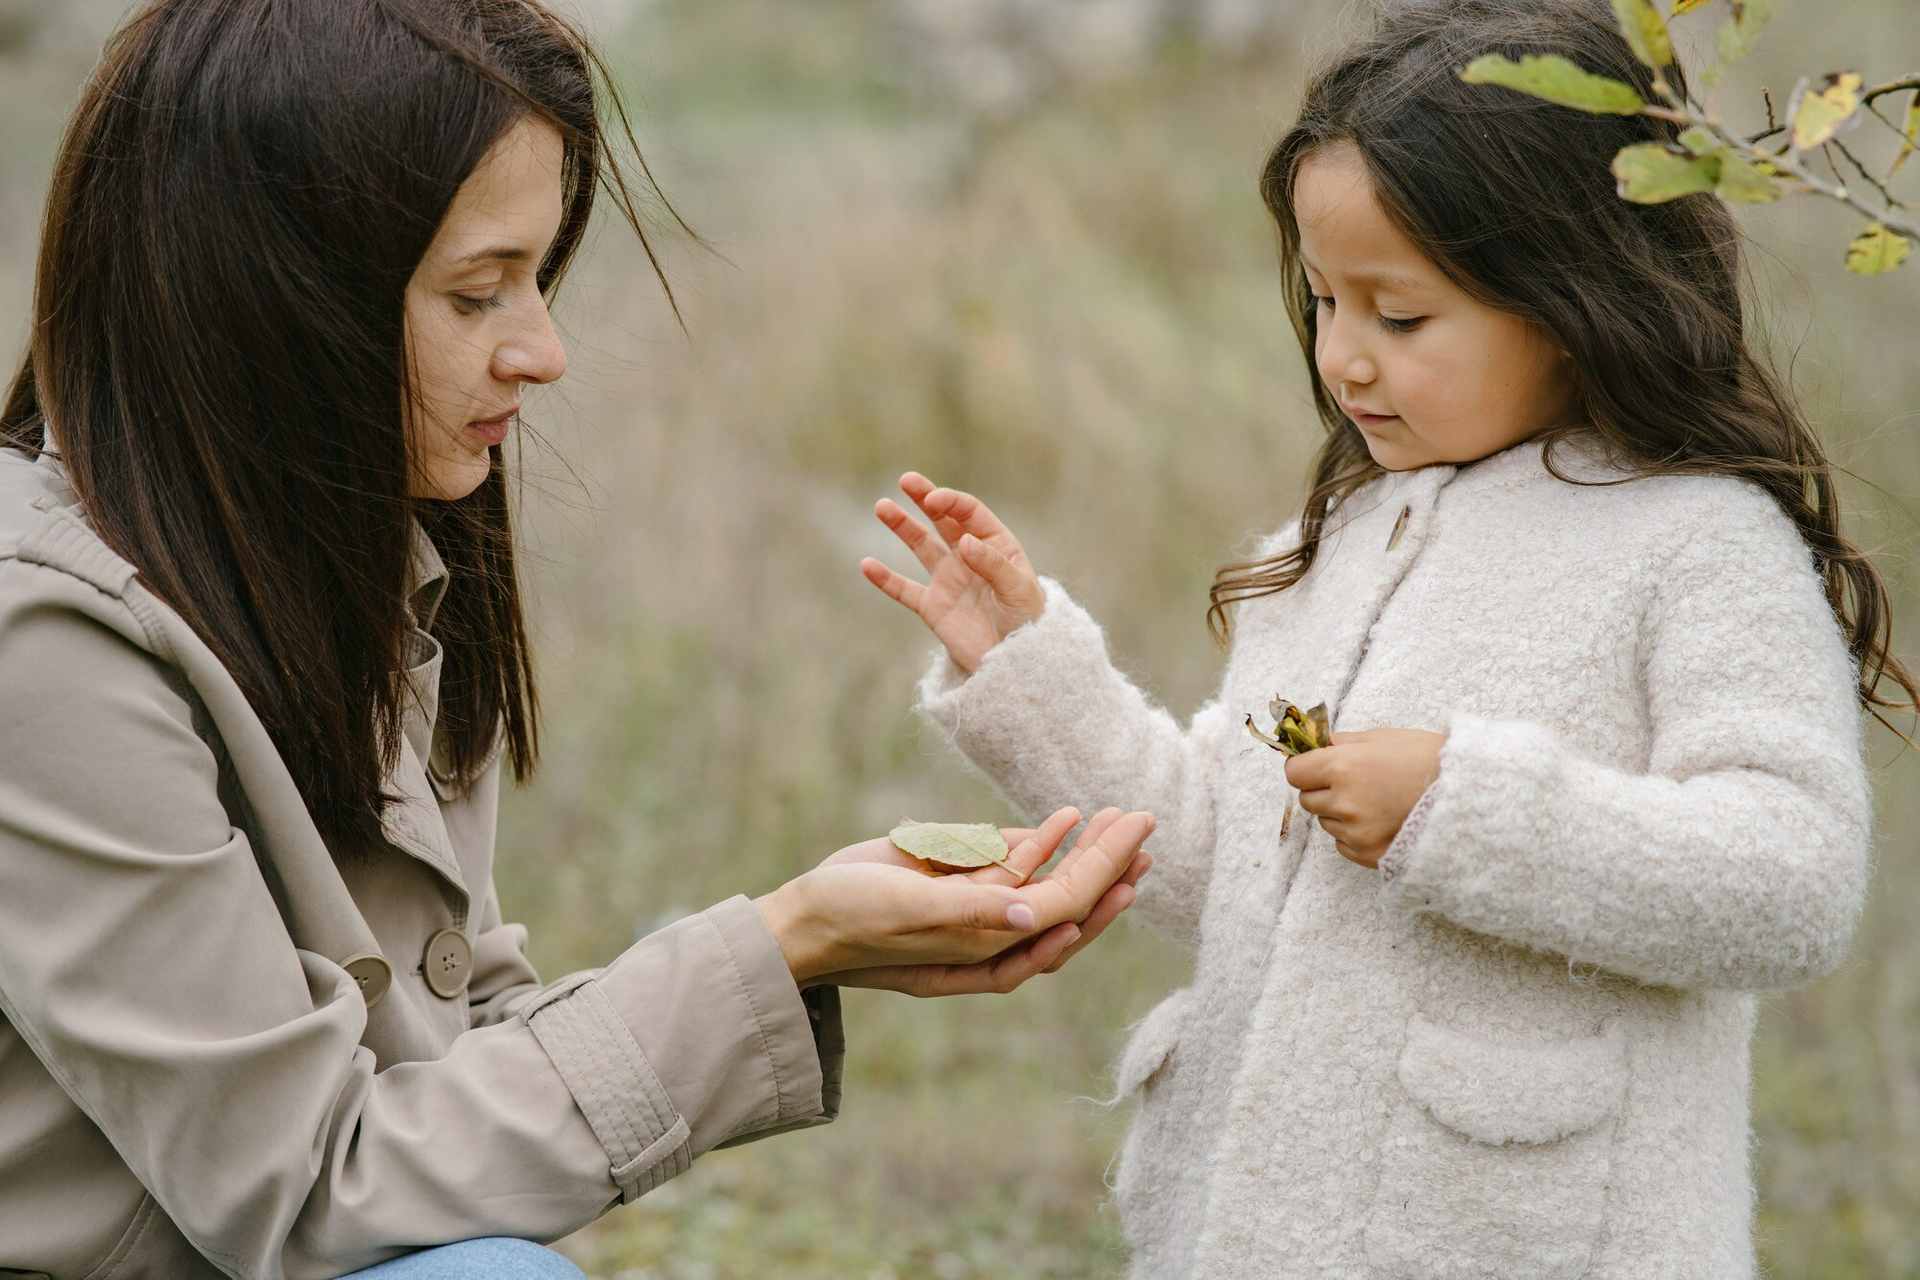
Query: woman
(262,660)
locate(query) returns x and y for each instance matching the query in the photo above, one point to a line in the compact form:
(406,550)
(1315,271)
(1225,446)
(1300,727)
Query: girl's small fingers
(967,512)
(898,585)
(925,547)
(1011,585)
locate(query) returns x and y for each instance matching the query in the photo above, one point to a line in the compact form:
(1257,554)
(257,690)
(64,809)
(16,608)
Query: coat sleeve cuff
(695,1037)
(1011,699)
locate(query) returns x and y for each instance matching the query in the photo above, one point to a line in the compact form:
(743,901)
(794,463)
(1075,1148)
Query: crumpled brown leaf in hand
(1294,733)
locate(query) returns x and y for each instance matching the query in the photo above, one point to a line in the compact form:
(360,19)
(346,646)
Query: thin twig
(1893,201)
(1892,86)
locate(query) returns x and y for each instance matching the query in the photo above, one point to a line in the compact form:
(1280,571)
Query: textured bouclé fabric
(1523,1052)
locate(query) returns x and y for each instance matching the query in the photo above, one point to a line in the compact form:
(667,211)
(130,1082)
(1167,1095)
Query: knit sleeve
(1739,856)
(1051,722)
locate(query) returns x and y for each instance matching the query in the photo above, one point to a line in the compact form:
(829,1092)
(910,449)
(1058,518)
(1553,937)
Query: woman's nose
(535,354)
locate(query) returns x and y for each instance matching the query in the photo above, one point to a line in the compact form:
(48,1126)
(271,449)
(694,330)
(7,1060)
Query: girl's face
(1428,373)
(477,326)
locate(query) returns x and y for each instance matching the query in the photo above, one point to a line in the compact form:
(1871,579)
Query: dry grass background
(1072,308)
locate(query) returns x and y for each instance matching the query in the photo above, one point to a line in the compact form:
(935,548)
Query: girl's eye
(1320,301)
(1403,326)
(474,306)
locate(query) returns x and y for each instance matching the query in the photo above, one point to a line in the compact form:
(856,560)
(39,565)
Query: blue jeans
(489,1259)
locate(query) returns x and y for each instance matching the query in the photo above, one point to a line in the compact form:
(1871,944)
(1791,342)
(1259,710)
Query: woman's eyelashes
(1391,323)
(474,306)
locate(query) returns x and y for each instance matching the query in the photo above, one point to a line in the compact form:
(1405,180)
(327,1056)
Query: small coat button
(1399,527)
(448,963)
(372,972)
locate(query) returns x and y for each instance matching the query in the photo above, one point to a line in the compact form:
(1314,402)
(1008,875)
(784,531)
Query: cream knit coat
(1525,1055)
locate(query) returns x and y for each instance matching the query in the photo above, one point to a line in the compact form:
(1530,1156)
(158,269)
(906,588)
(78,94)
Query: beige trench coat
(220,1053)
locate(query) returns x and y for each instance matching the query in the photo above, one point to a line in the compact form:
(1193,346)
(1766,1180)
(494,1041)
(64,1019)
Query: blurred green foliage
(1072,308)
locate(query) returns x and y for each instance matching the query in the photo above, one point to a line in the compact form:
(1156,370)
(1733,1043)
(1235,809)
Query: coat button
(372,972)
(1399,527)
(448,963)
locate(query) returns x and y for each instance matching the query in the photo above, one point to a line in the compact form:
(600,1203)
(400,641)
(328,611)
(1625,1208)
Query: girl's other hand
(870,916)
(980,587)
(1363,785)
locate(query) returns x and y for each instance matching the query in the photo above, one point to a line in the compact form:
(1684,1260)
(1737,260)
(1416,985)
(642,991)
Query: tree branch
(1892,86)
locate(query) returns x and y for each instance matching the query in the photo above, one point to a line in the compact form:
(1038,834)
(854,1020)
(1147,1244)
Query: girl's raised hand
(980,587)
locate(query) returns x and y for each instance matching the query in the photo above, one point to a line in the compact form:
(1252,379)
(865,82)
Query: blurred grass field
(1070,306)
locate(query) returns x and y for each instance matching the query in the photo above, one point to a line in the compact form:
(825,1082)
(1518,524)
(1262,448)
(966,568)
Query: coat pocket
(1497,1159)
(1149,1066)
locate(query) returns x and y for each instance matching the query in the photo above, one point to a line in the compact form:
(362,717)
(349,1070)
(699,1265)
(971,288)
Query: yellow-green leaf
(1646,31)
(1877,250)
(952,846)
(1557,80)
(1912,132)
(1650,174)
(1741,183)
(1683,7)
(1742,30)
(1295,732)
(1818,115)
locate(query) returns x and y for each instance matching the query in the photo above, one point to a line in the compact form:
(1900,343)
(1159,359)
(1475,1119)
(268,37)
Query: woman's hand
(980,587)
(1363,785)
(864,918)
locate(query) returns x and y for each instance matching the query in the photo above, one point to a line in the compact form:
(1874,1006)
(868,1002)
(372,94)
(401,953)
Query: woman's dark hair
(218,348)
(1512,198)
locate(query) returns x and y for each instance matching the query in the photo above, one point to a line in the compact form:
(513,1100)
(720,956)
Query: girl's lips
(1371,419)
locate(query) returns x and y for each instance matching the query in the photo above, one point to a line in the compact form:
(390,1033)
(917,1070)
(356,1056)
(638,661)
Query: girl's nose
(535,354)
(1341,357)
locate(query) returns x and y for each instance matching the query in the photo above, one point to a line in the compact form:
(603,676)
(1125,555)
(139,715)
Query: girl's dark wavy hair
(1512,198)
(218,350)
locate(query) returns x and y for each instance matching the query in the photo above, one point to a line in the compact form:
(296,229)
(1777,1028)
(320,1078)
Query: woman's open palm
(980,587)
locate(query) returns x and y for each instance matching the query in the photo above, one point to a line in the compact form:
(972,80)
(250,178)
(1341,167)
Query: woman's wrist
(798,929)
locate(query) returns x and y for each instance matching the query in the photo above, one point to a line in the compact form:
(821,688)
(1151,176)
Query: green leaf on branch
(1734,179)
(1557,80)
(1651,174)
(1877,250)
(1742,183)
(1740,34)
(1646,31)
(1911,132)
(953,846)
(1818,116)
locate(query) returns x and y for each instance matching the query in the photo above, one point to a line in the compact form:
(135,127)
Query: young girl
(1571,581)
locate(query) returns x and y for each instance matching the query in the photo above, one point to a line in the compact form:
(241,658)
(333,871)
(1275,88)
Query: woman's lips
(493,430)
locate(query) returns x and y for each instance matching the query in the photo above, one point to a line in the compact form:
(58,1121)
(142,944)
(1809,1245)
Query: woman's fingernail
(1073,935)
(1020,915)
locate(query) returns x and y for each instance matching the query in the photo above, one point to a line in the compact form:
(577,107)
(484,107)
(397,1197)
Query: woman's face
(477,326)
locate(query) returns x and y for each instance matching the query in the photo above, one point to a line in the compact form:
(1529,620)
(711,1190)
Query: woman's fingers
(1072,892)
(1028,851)
(1105,912)
(926,548)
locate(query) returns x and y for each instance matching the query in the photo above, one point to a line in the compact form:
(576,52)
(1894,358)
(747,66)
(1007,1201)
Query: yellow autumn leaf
(1681,8)
(1818,116)
(1912,133)
(1877,250)
(1645,30)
